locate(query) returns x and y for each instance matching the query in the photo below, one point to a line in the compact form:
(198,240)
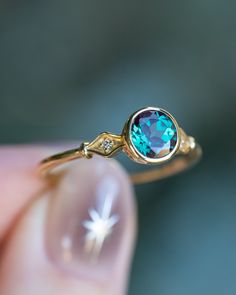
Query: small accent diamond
(107,145)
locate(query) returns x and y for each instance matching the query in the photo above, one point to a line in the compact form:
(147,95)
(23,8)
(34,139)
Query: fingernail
(90,218)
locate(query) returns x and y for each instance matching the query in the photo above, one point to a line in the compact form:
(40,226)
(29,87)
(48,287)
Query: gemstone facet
(107,145)
(153,133)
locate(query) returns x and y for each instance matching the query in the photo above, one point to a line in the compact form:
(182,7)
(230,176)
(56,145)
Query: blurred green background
(70,69)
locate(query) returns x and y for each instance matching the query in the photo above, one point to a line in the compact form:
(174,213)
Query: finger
(77,238)
(18,180)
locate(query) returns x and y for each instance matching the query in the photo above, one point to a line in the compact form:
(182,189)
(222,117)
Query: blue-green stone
(153,134)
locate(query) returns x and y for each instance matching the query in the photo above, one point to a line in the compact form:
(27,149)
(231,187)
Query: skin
(25,267)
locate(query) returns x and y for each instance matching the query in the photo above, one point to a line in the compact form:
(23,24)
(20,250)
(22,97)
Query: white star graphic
(99,227)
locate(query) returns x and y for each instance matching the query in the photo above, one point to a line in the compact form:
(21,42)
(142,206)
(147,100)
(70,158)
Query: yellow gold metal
(186,153)
(96,146)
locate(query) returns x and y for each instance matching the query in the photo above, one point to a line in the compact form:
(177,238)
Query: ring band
(150,136)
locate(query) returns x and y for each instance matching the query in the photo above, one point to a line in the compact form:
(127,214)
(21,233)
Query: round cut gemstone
(153,134)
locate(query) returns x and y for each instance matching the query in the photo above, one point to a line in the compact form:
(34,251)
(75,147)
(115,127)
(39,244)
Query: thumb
(76,238)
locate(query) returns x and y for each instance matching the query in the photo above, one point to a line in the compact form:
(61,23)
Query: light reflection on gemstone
(153,134)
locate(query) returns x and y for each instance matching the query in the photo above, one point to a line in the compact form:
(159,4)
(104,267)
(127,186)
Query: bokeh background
(70,69)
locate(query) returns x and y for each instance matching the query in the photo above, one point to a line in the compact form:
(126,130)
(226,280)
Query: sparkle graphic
(100,226)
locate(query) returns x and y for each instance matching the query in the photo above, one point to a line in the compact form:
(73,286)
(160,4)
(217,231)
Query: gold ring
(150,136)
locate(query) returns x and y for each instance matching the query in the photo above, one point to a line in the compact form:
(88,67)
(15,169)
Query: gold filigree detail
(187,143)
(106,144)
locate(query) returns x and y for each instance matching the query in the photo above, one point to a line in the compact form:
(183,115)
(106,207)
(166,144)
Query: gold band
(186,153)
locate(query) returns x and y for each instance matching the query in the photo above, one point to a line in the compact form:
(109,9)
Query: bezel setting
(134,153)
(151,138)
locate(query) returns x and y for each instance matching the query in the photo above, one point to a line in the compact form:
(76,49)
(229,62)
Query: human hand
(74,236)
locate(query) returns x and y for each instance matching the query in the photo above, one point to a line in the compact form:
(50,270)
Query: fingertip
(51,251)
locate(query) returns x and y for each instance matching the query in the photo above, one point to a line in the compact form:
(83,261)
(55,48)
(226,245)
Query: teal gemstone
(153,133)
